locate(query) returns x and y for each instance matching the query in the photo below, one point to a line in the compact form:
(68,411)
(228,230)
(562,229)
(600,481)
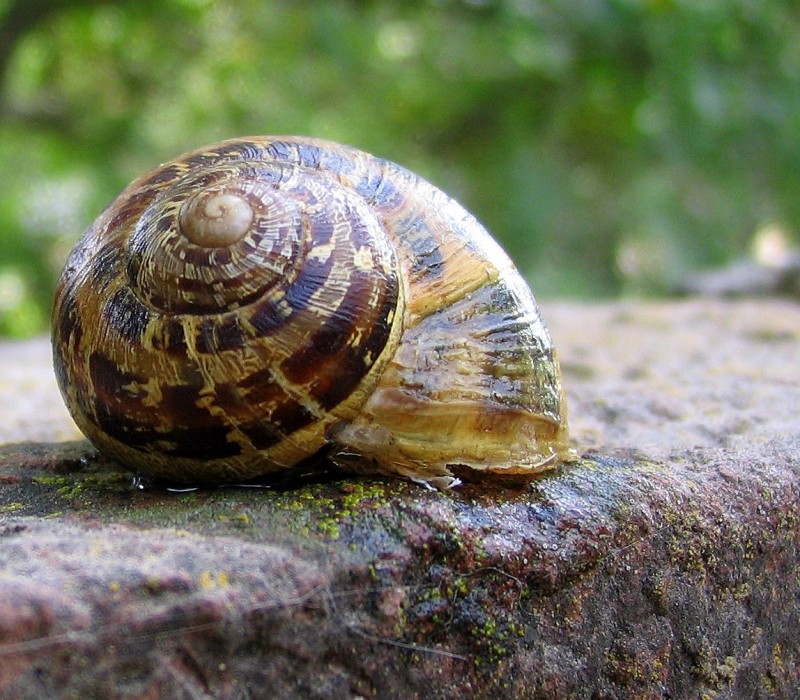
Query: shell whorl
(215,218)
(247,305)
(234,305)
(222,236)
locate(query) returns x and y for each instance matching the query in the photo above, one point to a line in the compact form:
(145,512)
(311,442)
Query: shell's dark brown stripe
(282,151)
(205,339)
(110,397)
(310,280)
(134,255)
(199,443)
(267,317)
(350,366)
(261,387)
(69,328)
(338,162)
(126,315)
(69,320)
(130,433)
(165,173)
(360,234)
(312,362)
(164,224)
(207,442)
(61,369)
(379,190)
(285,416)
(133,204)
(239,150)
(107,377)
(230,334)
(285,411)
(384,313)
(327,363)
(311,156)
(291,416)
(285,420)
(314,272)
(272,173)
(200,160)
(308,155)
(223,256)
(188,286)
(195,292)
(169,337)
(126,418)
(320,229)
(219,334)
(181,401)
(104,267)
(262,435)
(390,189)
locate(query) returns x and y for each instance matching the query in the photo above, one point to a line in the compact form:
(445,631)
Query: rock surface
(662,564)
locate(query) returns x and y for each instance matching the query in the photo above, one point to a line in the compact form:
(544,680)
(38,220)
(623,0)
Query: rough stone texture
(663,564)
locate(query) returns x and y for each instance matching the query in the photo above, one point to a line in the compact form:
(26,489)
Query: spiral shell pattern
(254,304)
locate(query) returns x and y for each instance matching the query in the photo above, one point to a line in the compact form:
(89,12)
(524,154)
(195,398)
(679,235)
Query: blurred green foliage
(611,145)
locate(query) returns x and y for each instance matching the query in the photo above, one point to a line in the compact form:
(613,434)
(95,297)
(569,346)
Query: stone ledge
(662,564)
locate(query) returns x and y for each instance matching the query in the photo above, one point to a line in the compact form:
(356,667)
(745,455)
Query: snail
(267,301)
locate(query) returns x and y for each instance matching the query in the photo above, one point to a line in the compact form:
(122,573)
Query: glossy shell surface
(269,300)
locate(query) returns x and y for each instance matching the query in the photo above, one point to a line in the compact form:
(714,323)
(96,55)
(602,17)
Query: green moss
(316,511)
(357,493)
(238,519)
(75,486)
(11,507)
(101,483)
(50,480)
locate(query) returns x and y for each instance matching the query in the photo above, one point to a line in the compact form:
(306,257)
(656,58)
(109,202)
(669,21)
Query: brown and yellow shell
(268,300)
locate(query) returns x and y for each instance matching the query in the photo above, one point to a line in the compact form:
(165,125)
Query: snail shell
(267,300)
